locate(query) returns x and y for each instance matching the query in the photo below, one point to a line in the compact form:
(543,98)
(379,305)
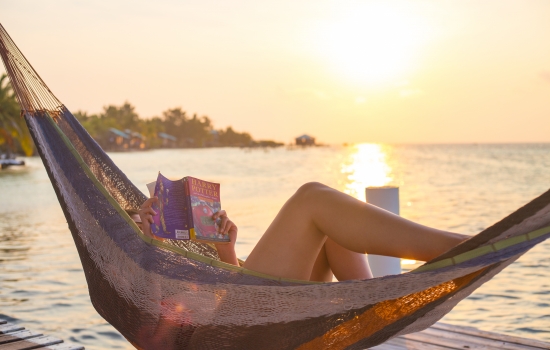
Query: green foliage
(14,135)
(150,128)
(92,123)
(231,138)
(123,117)
(189,131)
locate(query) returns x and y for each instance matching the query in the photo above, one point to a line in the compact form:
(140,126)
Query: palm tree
(13,131)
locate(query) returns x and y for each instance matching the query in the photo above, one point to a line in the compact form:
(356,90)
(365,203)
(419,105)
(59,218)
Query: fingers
(222,222)
(149,202)
(219,214)
(146,229)
(146,218)
(147,214)
(146,211)
(225,224)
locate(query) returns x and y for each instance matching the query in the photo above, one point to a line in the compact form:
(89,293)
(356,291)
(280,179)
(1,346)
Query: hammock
(178,295)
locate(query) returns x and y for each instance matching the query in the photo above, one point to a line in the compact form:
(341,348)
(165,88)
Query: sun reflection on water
(367,165)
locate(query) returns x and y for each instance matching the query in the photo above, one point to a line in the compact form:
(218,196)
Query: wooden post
(387,198)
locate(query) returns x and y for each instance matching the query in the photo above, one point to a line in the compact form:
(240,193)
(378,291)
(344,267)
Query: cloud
(545,75)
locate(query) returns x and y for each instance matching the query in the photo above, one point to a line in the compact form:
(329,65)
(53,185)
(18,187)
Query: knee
(310,190)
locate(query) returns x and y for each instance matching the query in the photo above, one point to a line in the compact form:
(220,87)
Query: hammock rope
(178,295)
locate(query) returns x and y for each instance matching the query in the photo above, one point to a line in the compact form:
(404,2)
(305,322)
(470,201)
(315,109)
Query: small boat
(7,160)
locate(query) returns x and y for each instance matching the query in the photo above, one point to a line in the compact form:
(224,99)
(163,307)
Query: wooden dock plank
(463,342)
(14,337)
(443,336)
(492,335)
(10,328)
(388,346)
(401,343)
(473,341)
(65,346)
(33,343)
(11,337)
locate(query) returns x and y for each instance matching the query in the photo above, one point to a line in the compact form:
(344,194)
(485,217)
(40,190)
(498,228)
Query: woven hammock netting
(178,295)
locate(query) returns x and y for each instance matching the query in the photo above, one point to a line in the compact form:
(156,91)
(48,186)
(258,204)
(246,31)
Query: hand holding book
(227,227)
(189,209)
(226,251)
(146,214)
(184,210)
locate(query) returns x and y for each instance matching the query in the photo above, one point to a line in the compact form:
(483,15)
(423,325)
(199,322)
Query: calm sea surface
(462,188)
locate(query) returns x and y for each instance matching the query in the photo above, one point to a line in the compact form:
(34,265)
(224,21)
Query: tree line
(120,127)
(184,130)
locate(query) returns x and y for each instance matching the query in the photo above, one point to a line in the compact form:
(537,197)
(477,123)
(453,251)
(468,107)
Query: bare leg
(343,263)
(291,244)
(321,271)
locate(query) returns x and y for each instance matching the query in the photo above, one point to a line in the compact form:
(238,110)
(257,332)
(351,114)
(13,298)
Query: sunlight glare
(373,42)
(366,166)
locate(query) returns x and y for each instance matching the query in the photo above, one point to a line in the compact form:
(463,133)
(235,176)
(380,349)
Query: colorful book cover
(204,199)
(185,208)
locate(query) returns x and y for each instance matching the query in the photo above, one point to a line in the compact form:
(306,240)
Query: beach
(463,188)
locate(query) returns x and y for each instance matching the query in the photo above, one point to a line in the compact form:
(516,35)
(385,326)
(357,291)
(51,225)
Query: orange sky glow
(344,71)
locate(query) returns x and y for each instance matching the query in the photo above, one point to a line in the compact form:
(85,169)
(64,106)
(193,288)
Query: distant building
(117,140)
(168,141)
(305,140)
(137,140)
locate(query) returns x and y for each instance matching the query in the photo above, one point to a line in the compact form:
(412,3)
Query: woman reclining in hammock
(320,232)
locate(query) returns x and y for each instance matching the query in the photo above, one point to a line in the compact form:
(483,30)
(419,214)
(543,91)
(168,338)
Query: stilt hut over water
(117,140)
(305,140)
(137,140)
(168,141)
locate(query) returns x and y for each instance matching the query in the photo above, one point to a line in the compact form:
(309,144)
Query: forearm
(227,254)
(226,251)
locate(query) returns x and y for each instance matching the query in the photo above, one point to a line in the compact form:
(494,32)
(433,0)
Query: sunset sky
(343,71)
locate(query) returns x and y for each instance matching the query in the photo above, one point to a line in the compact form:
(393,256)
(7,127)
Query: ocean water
(462,188)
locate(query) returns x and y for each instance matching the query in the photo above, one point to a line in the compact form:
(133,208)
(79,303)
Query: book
(185,208)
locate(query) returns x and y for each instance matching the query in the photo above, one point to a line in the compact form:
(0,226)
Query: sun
(372,42)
